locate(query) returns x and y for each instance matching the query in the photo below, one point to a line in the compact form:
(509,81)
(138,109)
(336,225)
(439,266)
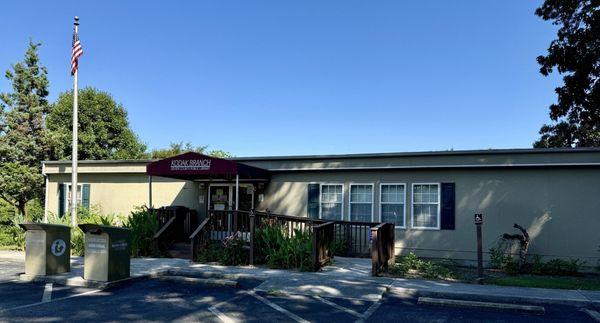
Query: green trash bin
(107,252)
(47,248)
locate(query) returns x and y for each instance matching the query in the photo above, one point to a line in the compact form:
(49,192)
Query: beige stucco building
(430,196)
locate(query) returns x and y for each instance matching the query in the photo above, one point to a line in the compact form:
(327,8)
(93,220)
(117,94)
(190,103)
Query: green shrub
(230,252)
(143,225)
(411,263)
(35,210)
(275,247)
(234,253)
(560,267)
(212,253)
(339,247)
(11,234)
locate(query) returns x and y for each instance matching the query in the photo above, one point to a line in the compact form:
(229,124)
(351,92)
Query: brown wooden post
(374,252)
(252,229)
(315,247)
(392,245)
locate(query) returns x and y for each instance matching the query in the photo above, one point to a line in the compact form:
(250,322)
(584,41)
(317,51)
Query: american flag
(76,52)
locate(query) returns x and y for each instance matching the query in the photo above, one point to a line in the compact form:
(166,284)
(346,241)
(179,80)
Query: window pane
(331,211)
(393,213)
(425,215)
(392,193)
(360,212)
(361,193)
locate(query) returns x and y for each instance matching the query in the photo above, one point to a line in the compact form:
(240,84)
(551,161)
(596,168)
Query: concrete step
(180,250)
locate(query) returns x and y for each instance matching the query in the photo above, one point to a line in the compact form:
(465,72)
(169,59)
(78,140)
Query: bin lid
(99,228)
(28,226)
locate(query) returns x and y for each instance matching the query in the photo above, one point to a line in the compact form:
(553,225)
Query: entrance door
(222,197)
(219,197)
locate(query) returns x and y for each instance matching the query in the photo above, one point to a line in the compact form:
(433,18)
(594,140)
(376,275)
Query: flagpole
(74,154)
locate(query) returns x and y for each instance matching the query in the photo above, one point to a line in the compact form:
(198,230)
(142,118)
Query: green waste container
(47,248)
(107,252)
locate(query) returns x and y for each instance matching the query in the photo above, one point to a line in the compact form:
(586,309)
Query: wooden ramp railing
(352,239)
(382,252)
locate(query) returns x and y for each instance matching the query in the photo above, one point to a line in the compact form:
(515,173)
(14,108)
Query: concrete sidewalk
(346,278)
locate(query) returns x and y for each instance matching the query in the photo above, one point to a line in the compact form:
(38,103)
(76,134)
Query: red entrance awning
(192,166)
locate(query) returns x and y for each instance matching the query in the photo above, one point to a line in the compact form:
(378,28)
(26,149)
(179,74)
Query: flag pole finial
(76,23)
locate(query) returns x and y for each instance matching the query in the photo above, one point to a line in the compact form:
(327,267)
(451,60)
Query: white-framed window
(426,205)
(393,203)
(331,202)
(68,196)
(361,202)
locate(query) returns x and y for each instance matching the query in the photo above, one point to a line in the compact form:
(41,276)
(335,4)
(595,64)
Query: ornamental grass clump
(278,249)
(143,224)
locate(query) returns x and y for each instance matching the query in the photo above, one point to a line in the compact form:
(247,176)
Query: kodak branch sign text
(190,164)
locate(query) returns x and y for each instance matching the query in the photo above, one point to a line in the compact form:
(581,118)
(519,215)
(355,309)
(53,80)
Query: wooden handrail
(199,228)
(382,248)
(318,226)
(164,228)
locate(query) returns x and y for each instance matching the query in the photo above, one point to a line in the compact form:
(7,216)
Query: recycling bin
(107,252)
(47,248)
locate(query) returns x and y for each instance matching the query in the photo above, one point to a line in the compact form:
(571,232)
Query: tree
(104,131)
(180,148)
(23,135)
(576,55)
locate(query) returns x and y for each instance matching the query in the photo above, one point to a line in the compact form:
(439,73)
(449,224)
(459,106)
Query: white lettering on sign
(190,164)
(96,244)
(119,245)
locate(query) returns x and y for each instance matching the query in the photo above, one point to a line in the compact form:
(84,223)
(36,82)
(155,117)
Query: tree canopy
(104,131)
(23,135)
(576,55)
(180,148)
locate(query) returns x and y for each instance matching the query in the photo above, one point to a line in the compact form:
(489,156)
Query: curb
(80,282)
(477,304)
(189,276)
(202,281)
(512,299)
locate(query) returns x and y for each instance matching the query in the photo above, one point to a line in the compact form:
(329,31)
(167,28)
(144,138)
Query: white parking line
(278,308)
(595,315)
(339,307)
(52,300)
(47,296)
(224,318)
(369,312)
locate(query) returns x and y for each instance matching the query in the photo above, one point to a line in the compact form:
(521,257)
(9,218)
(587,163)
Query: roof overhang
(194,166)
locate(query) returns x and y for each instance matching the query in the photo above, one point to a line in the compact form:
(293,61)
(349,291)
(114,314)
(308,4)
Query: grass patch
(557,282)
(411,266)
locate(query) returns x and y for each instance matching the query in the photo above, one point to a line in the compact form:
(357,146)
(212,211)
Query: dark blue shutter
(61,198)
(448,206)
(85,196)
(313,201)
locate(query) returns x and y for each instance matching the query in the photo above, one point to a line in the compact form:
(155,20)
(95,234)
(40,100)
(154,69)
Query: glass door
(219,197)
(246,197)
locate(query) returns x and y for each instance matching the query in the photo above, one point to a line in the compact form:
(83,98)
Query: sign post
(478,219)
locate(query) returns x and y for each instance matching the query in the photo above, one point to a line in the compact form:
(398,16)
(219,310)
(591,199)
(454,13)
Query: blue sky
(303,77)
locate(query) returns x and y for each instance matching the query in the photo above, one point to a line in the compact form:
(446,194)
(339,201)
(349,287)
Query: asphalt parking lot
(157,300)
